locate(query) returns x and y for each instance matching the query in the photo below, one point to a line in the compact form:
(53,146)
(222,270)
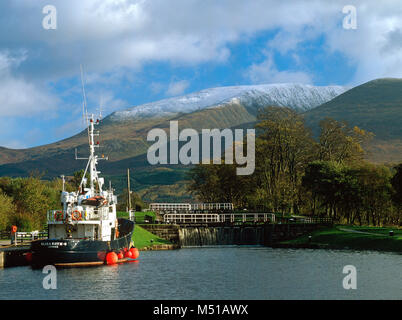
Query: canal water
(242,273)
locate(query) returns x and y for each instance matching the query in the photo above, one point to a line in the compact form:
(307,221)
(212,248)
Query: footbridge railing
(178,218)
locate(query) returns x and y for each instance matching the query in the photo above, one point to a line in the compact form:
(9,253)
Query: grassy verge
(376,230)
(346,237)
(142,238)
(139,216)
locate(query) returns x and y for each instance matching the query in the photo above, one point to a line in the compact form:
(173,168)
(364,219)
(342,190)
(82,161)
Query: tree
(323,179)
(349,193)
(77,177)
(7,209)
(338,142)
(283,148)
(219,183)
(33,199)
(396,182)
(376,194)
(136,202)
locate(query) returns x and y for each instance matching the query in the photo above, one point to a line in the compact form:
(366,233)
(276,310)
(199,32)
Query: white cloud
(125,33)
(266,72)
(156,87)
(110,34)
(177,88)
(19,97)
(104,100)
(368,47)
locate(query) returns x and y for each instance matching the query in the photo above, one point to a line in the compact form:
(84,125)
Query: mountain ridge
(293,95)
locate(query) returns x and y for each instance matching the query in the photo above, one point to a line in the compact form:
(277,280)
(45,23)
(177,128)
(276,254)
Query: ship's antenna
(93,158)
(84,102)
(100,107)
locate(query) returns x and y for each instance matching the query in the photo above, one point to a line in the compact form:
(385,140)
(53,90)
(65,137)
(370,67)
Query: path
(362,232)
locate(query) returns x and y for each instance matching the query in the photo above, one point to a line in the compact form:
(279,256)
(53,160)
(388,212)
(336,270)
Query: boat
(86,229)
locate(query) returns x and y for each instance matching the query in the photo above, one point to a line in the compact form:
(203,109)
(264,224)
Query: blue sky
(138,51)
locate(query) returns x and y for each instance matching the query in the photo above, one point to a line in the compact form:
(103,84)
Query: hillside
(375,106)
(123,135)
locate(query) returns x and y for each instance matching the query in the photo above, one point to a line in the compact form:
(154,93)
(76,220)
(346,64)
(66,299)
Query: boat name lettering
(54,243)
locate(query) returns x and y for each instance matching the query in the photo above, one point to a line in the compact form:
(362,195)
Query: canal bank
(296,236)
(348,238)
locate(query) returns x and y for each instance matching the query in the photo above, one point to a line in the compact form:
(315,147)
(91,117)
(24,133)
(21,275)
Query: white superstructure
(90,212)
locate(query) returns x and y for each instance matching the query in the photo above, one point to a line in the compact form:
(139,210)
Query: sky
(139,51)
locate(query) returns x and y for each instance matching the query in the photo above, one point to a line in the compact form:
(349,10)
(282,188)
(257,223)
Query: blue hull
(62,251)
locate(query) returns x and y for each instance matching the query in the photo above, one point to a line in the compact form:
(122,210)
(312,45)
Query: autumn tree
(219,183)
(7,210)
(340,143)
(283,148)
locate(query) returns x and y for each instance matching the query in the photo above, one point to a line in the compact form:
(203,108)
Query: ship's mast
(93,159)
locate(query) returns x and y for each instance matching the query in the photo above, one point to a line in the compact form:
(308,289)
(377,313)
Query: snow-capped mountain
(297,96)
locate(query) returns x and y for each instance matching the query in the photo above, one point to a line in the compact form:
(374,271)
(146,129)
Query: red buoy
(111,258)
(28,257)
(128,254)
(134,252)
(120,255)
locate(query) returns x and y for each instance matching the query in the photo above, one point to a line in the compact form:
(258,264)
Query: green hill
(375,106)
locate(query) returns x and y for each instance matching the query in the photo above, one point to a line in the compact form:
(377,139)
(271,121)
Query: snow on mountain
(297,96)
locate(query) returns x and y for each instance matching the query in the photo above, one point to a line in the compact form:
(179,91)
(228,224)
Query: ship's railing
(83,215)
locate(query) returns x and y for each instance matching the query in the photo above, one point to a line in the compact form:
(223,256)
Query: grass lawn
(142,238)
(139,216)
(337,238)
(377,230)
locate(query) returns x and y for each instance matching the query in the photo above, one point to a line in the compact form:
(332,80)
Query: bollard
(391,233)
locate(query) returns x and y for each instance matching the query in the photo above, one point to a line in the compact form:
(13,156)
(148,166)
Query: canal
(238,272)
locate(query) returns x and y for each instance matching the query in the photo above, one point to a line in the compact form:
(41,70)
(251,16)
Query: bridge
(194,218)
